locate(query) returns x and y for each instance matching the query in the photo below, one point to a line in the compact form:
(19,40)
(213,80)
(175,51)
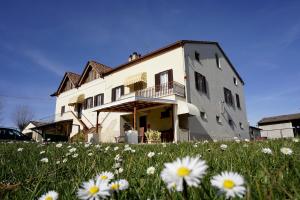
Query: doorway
(79,110)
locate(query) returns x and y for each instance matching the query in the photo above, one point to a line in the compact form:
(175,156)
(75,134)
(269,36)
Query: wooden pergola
(130,107)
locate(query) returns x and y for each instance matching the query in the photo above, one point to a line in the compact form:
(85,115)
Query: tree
(21,116)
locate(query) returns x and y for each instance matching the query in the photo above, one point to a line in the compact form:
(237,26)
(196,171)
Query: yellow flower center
(93,190)
(103,177)
(115,186)
(48,198)
(228,184)
(183,171)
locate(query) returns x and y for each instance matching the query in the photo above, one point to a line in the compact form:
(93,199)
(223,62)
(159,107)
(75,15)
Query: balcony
(170,88)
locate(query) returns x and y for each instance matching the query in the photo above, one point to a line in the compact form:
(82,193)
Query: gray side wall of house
(212,103)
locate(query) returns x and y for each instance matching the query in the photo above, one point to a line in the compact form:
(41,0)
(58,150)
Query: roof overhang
(127,105)
(52,124)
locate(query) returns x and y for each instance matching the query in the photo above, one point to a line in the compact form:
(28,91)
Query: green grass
(24,176)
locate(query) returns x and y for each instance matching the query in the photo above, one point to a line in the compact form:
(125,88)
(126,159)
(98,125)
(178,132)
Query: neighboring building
(187,90)
(254,133)
(280,126)
(28,130)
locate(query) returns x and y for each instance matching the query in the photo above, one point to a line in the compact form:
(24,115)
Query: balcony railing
(169,88)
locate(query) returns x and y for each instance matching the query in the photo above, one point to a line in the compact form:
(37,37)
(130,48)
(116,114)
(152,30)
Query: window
(218,61)
(197,56)
(62,110)
(99,100)
(237,97)
(228,97)
(218,119)
(117,92)
(88,103)
(203,115)
(241,126)
(200,82)
(235,81)
(163,80)
(230,122)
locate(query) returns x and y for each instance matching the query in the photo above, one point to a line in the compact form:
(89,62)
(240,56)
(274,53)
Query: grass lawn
(267,176)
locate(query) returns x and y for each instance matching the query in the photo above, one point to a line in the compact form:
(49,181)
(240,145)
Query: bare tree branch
(22,115)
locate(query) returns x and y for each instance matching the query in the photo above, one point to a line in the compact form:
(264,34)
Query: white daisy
(45,160)
(107,148)
(59,145)
(266,150)
(195,145)
(164,145)
(223,146)
(132,150)
(75,155)
(20,149)
(151,154)
(51,195)
(90,154)
(57,162)
(296,140)
(119,171)
(42,152)
(230,183)
(105,176)
(119,185)
(65,160)
(215,140)
(247,140)
(237,141)
(116,148)
(87,145)
(191,170)
(72,150)
(118,158)
(93,190)
(286,151)
(150,170)
(205,141)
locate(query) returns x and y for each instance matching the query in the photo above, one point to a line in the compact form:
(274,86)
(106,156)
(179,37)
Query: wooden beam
(134,118)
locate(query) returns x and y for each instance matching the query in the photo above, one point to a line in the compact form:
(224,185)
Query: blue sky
(40,40)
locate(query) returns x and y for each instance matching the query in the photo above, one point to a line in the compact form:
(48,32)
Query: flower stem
(185,191)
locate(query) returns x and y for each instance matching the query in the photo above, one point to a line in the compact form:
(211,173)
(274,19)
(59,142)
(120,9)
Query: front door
(143,122)
(79,110)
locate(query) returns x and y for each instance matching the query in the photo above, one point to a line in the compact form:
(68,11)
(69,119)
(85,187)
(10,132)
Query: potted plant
(153,136)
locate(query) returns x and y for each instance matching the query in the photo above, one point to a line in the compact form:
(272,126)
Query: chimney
(134,56)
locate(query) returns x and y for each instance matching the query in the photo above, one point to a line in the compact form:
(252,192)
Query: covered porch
(55,131)
(142,114)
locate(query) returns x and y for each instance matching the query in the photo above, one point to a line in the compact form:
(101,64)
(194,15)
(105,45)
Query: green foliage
(24,176)
(80,137)
(153,135)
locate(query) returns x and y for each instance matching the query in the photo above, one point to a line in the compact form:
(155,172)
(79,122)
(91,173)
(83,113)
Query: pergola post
(97,123)
(134,117)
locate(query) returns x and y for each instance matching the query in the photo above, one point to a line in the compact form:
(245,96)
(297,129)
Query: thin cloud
(291,36)
(41,60)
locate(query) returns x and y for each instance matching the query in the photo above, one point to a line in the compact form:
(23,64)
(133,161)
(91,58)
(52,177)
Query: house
(188,90)
(28,130)
(281,126)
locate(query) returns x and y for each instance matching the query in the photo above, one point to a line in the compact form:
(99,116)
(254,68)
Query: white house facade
(187,90)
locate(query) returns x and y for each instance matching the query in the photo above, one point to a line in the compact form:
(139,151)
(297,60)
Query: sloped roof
(37,123)
(171,47)
(279,118)
(99,67)
(73,77)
